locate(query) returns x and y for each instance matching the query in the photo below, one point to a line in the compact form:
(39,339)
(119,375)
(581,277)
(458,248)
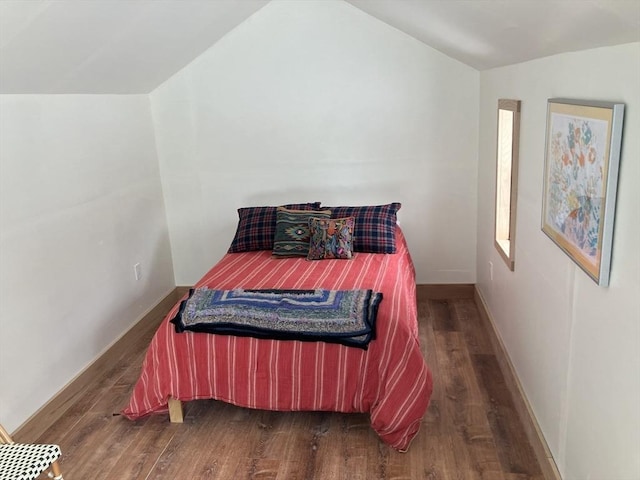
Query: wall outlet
(491,271)
(137,270)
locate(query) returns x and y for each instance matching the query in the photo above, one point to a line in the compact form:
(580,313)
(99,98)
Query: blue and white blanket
(338,316)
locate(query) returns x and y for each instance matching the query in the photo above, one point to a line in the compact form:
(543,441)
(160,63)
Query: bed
(388,379)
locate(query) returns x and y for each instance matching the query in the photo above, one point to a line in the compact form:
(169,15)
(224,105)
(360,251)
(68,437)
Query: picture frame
(582,158)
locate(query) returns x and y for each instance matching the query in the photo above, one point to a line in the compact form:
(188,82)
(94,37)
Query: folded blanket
(337,316)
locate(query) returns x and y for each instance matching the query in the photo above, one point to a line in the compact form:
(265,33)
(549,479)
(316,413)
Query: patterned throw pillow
(257,227)
(292,231)
(331,238)
(375,229)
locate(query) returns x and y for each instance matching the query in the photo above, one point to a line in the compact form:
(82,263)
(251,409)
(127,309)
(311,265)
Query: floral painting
(576,180)
(577,183)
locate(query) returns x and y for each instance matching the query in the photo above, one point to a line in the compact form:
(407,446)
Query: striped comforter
(390,380)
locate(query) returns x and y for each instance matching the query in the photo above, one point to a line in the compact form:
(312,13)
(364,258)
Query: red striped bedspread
(390,380)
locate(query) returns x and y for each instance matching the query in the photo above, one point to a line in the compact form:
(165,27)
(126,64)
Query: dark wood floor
(471,429)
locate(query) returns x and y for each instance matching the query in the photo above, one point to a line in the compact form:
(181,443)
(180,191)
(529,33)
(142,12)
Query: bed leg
(175,411)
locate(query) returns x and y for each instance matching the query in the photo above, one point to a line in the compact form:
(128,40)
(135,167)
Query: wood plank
(200,445)
(465,412)
(443,315)
(109,439)
(141,455)
(451,291)
(468,318)
(514,450)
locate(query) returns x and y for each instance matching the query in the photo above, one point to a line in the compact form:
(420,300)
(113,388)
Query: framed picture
(580,180)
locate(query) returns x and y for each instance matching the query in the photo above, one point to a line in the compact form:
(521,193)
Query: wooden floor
(471,429)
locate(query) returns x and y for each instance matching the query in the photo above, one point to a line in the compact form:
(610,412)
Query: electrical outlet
(137,270)
(491,271)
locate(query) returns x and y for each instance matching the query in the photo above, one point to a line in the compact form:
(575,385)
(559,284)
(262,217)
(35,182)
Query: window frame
(507,155)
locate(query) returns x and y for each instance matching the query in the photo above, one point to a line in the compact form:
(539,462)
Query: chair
(26,461)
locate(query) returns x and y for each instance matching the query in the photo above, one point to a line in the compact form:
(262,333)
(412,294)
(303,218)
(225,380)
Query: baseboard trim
(525,412)
(50,412)
(441,291)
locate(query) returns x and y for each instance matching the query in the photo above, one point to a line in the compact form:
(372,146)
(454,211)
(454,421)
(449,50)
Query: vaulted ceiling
(132,46)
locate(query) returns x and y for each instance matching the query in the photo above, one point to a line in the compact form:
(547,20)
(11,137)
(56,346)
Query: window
(507,178)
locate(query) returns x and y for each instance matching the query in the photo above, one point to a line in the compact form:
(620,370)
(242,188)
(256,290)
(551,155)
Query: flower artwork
(583,147)
(576,181)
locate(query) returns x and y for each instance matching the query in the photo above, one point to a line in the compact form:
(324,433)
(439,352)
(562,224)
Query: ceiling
(107,46)
(132,46)
(492,33)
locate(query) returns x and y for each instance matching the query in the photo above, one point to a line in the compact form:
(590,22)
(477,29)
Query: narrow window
(507,178)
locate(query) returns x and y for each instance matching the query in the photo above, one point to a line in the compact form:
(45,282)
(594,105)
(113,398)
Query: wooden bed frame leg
(175,411)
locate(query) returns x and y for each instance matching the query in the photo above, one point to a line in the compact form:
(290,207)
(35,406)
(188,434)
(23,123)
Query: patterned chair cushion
(331,238)
(21,461)
(375,226)
(292,231)
(257,227)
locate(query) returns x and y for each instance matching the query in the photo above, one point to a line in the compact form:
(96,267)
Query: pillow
(257,227)
(330,238)
(375,226)
(292,231)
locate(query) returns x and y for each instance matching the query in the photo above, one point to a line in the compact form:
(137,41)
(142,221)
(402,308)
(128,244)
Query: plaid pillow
(375,226)
(257,227)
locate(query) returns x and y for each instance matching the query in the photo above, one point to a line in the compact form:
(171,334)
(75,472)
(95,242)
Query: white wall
(317,100)
(575,346)
(80,204)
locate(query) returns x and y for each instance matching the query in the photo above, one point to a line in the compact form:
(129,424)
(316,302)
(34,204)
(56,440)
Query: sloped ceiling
(132,46)
(492,33)
(108,46)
